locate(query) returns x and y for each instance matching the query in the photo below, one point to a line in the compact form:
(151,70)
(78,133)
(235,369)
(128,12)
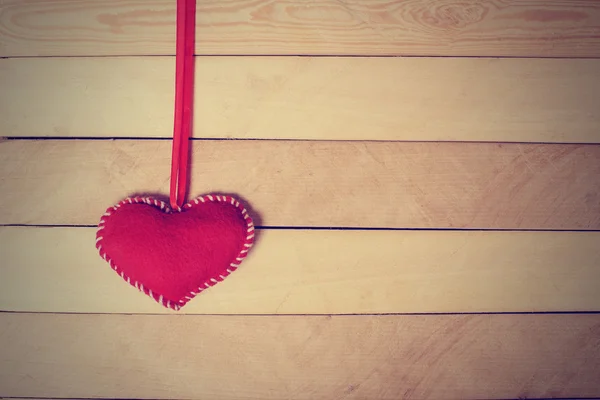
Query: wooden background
(425,175)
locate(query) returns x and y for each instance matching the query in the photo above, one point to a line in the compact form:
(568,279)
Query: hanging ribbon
(184,90)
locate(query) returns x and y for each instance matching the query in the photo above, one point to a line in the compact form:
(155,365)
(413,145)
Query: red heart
(172,255)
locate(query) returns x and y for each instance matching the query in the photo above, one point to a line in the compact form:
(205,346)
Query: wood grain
(423,99)
(308,184)
(323,272)
(383,357)
(533,28)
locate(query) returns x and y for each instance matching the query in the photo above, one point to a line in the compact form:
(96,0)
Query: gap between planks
(99,398)
(334,228)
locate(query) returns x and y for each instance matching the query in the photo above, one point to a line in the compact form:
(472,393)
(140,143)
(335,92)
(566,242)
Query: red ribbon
(184,90)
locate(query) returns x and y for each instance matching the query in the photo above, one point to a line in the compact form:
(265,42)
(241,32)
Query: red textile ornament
(172,255)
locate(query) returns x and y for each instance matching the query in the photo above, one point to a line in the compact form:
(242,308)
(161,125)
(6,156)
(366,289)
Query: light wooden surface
(560,28)
(295,357)
(425,99)
(322,184)
(331,272)
(344,142)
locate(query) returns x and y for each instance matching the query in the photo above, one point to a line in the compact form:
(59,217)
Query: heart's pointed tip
(176,308)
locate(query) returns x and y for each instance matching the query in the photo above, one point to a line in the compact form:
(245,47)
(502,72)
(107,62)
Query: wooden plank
(534,28)
(323,272)
(423,99)
(308,184)
(294,357)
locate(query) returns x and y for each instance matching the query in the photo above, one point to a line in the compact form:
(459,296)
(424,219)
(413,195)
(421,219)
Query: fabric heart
(172,255)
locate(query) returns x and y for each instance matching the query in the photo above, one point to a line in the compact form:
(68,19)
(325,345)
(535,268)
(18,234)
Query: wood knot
(454,15)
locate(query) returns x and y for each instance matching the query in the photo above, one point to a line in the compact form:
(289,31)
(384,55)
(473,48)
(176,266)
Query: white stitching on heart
(163,206)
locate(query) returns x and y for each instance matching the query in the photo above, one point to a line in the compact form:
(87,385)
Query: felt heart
(172,255)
